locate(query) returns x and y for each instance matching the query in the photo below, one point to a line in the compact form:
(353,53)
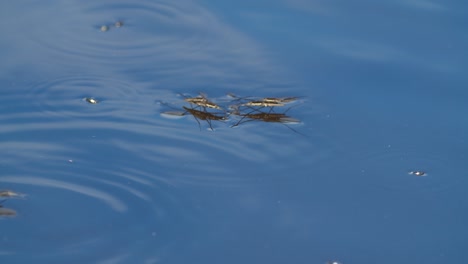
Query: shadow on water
(243,109)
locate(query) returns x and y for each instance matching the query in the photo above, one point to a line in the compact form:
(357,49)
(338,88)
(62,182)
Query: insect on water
(202,101)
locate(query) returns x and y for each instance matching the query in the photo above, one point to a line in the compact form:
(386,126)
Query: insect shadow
(199,109)
(249,113)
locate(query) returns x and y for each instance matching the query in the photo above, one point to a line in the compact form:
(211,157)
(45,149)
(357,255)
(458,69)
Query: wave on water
(179,43)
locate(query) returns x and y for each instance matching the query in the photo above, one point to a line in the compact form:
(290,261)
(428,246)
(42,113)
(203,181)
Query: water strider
(202,100)
(247,108)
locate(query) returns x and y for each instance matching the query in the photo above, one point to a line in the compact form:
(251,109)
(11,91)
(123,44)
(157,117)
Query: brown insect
(267,101)
(264,103)
(202,101)
(283,100)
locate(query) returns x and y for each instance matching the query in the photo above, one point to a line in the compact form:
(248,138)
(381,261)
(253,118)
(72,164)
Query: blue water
(382,90)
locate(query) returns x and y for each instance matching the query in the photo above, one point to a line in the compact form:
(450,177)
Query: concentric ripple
(180,42)
(83,206)
(66,96)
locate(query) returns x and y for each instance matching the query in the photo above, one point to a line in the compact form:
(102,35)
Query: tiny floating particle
(104,28)
(118,24)
(7,212)
(11,194)
(418,173)
(91,100)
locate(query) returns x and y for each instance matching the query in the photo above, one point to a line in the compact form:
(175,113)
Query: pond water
(137,176)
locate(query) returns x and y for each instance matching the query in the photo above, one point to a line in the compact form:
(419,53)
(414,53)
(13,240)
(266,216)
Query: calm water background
(385,92)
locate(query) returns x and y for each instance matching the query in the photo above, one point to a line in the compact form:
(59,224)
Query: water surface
(382,90)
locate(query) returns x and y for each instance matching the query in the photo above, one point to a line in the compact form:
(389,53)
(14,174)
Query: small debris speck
(104,28)
(91,100)
(118,24)
(418,173)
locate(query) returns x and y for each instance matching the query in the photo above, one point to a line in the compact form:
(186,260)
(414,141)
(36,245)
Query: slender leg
(246,115)
(196,119)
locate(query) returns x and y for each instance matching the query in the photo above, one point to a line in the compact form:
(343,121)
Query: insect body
(264,103)
(203,102)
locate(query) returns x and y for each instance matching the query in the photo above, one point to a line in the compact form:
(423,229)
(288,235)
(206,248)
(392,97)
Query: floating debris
(118,24)
(11,194)
(333,262)
(7,212)
(418,173)
(104,28)
(91,100)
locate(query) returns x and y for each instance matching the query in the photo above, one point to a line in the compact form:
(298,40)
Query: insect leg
(246,115)
(292,129)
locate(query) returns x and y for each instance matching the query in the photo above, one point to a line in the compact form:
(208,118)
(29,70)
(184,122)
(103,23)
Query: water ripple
(180,43)
(113,202)
(65,96)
